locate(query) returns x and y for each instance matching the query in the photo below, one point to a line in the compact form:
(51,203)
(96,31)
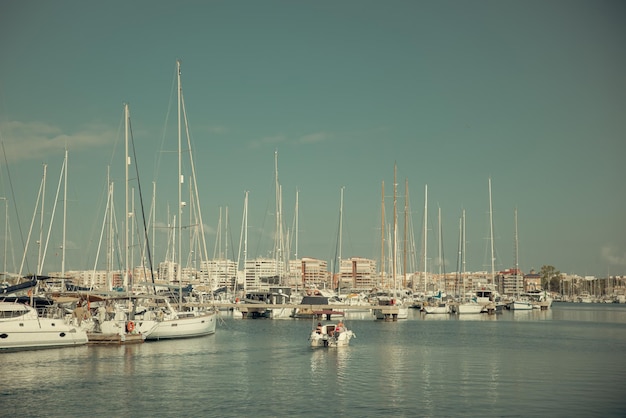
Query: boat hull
(469,308)
(325,340)
(185,327)
(29,332)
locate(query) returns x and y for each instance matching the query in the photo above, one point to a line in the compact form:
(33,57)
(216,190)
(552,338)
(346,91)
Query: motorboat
(330,335)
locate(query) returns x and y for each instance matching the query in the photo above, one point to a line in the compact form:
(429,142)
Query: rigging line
(157,162)
(17,214)
(143,214)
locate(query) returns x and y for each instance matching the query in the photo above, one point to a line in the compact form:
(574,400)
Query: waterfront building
(310,273)
(262,272)
(219,273)
(357,273)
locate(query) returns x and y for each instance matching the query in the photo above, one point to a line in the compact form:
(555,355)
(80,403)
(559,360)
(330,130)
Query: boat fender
(130,326)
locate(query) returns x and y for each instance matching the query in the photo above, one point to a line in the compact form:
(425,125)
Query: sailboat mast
(493,259)
(395,228)
(180,188)
(382,238)
(406,225)
(43,198)
(245,240)
(126,199)
(464,252)
(516,255)
(425,237)
(340,226)
(64,214)
(296,225)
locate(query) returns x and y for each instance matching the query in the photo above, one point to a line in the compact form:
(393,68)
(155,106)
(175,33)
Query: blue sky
(529,93)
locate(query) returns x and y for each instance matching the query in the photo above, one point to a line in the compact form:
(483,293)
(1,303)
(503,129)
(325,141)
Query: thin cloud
(281,139)
(314,138)
(610,255)
(36,140)
(268,140)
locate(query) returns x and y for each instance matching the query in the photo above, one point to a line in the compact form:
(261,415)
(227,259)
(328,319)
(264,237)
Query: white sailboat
(519,303)
(437,305)
(181,320)
(392,296)
(466,305)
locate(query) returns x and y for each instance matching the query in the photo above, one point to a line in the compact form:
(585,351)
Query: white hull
(469,308)
(28,331)
(185,327)
(442,309)
(521,306)
(327,338)
(403,313)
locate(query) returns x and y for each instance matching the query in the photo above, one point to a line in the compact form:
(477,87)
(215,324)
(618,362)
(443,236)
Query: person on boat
(339,327)
(319,328)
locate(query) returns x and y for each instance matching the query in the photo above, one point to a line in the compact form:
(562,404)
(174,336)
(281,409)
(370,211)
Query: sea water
(567,361)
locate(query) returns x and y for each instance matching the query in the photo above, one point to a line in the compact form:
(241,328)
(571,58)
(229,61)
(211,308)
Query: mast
(277,248)
(425,238)
(340,225)
(493,259)
(406,225)
(395,229)
(245,240)
(43,197)
(126,199)
(180,190)
(440,247)
(516,254)
(64,216)
(296,225)
(460,278)
(382,239)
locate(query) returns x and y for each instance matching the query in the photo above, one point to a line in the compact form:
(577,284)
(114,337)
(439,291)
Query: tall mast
(245,240)
(43,198)
(126,199)
(296,226)
(440,249)
(340,225)
(493,259)
(464,242)
(395,229)
(425,237)
(406,225)
(382,239)
(64,213)
(180,188)
(460,278)
(516,255)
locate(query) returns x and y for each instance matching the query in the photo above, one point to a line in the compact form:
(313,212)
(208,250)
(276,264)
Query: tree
(550,278)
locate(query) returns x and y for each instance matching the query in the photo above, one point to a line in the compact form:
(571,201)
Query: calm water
(569,361)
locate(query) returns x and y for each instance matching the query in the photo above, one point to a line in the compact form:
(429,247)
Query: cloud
(36,140)
(281,139)
(268,140)
(313,138)
(611,255)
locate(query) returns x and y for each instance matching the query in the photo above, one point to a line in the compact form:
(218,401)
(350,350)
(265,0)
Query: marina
(566,361)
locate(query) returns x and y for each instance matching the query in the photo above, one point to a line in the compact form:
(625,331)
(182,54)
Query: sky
(530,94)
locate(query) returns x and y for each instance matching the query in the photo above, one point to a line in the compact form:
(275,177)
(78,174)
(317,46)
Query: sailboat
(438,305)
(178,320)
(392,296)
(465,306)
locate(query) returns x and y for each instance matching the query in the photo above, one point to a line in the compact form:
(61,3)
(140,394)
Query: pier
(255,310)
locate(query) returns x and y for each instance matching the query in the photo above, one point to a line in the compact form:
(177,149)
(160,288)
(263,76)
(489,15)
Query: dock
(256,310)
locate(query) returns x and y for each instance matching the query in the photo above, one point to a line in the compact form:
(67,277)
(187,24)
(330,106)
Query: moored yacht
(21,328)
